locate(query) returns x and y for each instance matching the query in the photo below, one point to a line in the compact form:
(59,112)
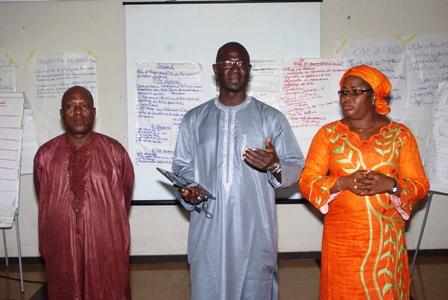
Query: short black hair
(73,88)
(231,44)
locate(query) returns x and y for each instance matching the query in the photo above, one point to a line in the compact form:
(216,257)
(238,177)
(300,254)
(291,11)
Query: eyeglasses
(228,64)
(352,92)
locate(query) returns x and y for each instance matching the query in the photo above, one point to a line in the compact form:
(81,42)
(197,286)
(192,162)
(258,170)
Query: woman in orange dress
(365,174)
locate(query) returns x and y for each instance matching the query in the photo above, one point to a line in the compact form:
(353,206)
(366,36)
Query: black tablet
(181,181)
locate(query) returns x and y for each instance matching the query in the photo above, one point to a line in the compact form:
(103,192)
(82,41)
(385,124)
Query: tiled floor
(298,279)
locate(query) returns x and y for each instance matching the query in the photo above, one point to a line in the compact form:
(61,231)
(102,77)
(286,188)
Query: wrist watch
(394,188)
(277,169)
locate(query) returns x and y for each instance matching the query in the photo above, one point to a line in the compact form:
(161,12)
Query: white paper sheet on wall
(436,158)
(7,74)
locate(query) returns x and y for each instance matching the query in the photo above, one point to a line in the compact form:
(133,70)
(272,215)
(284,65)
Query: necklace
(361,129)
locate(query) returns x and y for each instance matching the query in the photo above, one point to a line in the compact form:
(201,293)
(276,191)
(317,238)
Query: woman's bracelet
(337,183)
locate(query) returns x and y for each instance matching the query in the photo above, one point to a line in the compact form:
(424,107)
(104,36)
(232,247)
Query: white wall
(72,26)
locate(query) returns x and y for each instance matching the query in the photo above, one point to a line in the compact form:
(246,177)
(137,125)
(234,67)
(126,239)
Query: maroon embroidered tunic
(84,198)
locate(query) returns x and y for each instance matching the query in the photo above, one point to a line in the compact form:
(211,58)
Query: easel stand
(428,204)
(19,252)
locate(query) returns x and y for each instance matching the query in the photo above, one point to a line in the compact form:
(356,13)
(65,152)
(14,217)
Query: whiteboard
(185,33)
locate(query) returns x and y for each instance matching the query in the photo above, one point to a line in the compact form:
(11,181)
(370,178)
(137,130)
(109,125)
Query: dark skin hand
(365,183)
(262,159)
(193,195)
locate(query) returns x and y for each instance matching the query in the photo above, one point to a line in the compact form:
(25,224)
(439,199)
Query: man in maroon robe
(84,182)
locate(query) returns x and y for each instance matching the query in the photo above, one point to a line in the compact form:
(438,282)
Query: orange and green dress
(364,254)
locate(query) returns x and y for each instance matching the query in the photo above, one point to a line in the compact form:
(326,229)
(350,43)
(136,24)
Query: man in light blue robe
(238,149)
